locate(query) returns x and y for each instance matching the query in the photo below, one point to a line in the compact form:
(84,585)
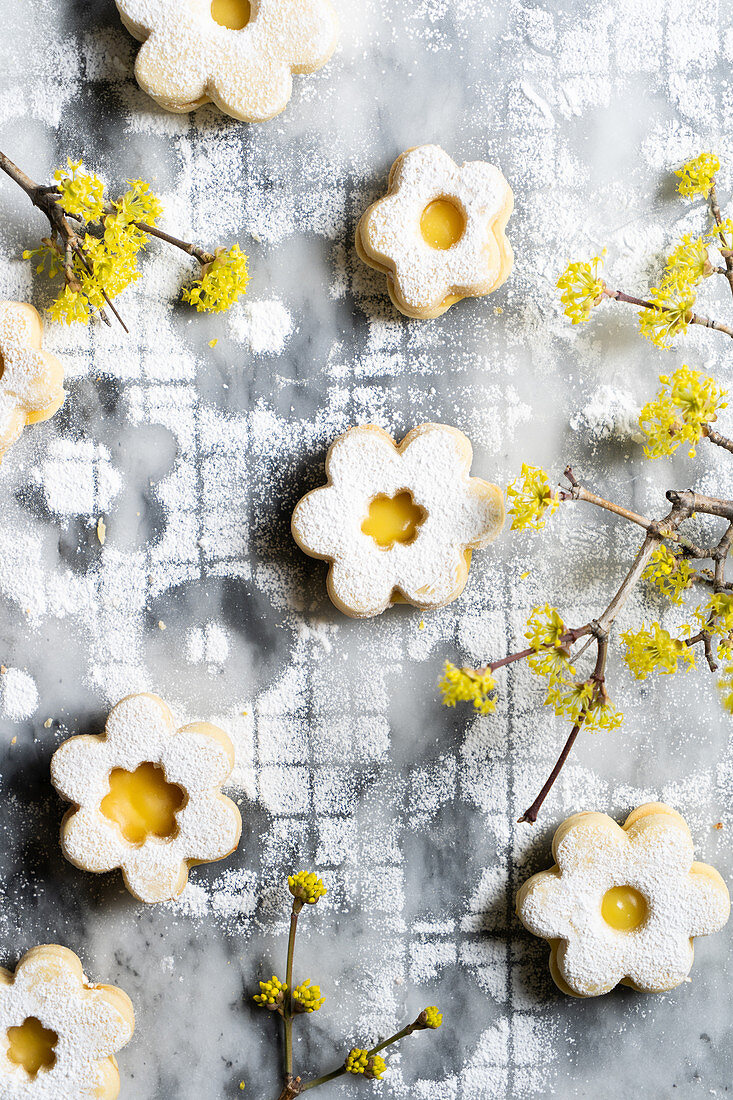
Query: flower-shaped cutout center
(142,803)
(393,519)
(234,14)
(624,908)
(442,223)
(32,1046)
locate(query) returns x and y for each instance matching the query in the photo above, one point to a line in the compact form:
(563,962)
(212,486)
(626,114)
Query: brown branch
(642,303)
(715,437)
(291,1089)
(44,198)
(201,255)
(598,677)
(706,639)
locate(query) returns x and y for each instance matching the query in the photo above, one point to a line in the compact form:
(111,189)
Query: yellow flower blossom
(671,310)
(582,288)
(307,997)
(70,306)
(544,633)
(716,615)
(655,650)
(722,235)
(688,263)
(533,501)
(429,1018)
(360,1061)
(271,995)
(307,887)
(221,282)
(669,572)
(466,685)
(81,194)
(687,402)
(697,175)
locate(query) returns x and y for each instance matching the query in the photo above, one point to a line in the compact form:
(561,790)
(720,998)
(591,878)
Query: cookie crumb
(161,624)
(718,825)
(48,723)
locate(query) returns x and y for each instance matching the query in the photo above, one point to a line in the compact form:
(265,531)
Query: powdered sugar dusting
(352,767)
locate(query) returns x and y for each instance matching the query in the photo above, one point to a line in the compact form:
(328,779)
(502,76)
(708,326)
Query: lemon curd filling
(31,1046)
(142,803)
(393,519)
(624,908)
(234,14)
(442,224)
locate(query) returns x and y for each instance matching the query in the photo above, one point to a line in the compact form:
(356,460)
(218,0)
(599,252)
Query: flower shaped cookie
(239,54)
(398,522)
(60,1033)
(438,234)
(622,904)
(146,797)
(31,380)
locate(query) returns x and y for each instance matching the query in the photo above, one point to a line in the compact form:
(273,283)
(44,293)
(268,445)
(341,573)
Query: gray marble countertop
(195,456)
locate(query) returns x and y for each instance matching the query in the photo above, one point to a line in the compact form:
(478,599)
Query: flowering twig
(99,258)
(667,311)
(287,1001)
(551,653)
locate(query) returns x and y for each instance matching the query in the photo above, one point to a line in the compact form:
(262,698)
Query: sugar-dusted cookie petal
(147,797)
(398,521)
(31,379)
(622,904)
(439,233)
(77,1029)
(189,58)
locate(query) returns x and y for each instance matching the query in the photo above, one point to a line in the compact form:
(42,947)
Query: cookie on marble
(398,522)
(439,232)
(61,1032)
(622,904)
(147,797)
(31,379)
(238,54)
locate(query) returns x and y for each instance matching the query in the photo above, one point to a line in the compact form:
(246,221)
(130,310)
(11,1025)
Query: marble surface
(195,456)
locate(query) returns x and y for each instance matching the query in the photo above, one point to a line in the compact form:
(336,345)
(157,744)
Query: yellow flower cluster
(669,572)
(672,303)
(272,994)
(582,288)
(586,702)
(689,262)
(306,886)
(111,250)
(697,176)
(655,650)
(360,1061)
(466,685)
(81,194)
(545,630)
(430,1018)
(722,235)
(533,501)
(307,997)
(717,614)
(687,402)
(221,282)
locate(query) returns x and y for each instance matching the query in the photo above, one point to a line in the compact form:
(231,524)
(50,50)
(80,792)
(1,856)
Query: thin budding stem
(288,1006)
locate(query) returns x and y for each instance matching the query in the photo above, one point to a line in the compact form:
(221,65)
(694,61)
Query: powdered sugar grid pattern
(385,371)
